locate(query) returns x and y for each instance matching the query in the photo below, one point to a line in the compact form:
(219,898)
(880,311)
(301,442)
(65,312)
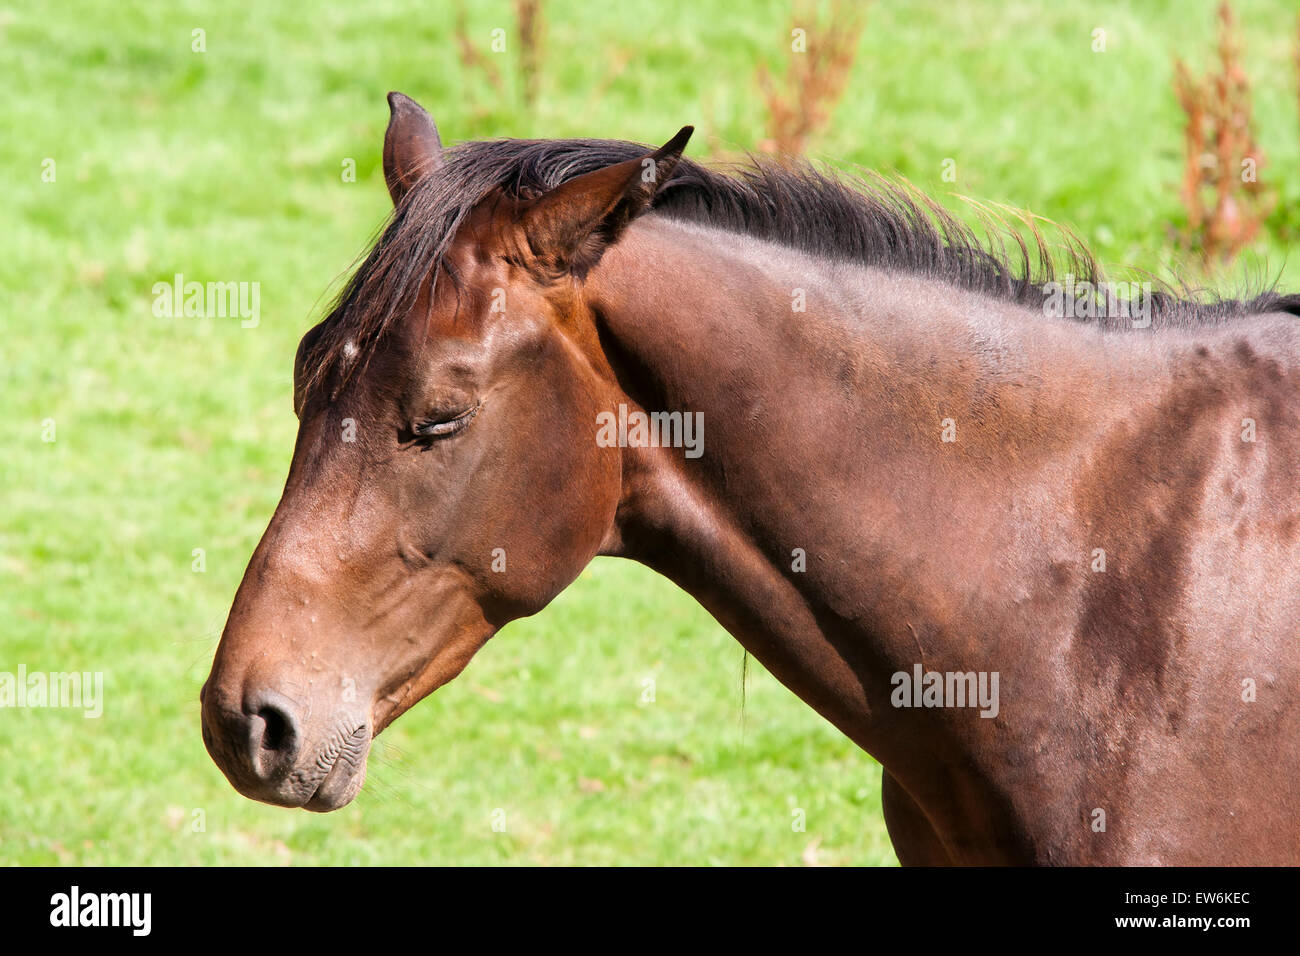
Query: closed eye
(444,425)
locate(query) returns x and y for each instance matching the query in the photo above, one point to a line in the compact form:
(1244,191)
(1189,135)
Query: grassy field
(174,434)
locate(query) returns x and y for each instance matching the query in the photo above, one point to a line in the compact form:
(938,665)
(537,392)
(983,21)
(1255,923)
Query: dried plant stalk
(528,19)
(1221,190)
(822,53)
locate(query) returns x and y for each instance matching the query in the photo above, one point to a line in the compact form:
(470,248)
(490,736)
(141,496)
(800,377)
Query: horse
(1041,563)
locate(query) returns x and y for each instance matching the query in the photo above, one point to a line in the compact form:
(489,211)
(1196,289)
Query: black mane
(873,221)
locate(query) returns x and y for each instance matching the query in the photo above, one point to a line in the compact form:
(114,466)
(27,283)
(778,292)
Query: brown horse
(1042,563)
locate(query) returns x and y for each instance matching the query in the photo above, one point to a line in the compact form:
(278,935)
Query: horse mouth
(342,770)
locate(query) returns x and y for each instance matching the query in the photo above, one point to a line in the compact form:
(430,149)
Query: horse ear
(570,227)
(411,145)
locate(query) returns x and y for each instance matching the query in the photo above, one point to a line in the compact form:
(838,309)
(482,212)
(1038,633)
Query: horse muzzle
(269,752)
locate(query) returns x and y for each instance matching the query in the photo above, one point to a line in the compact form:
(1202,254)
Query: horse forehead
(481,292)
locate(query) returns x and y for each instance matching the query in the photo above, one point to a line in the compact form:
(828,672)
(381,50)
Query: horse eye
(445,424)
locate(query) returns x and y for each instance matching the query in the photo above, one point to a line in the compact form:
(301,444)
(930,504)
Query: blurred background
(141,454)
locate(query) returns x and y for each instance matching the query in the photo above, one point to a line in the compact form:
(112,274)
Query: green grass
(175,434)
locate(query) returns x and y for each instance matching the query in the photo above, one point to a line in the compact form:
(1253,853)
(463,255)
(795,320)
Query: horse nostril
(277,729)
(273,737)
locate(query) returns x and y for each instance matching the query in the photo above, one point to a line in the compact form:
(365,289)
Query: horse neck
(825,389)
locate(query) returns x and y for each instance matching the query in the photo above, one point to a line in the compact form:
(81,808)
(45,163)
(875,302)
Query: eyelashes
(445,424)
